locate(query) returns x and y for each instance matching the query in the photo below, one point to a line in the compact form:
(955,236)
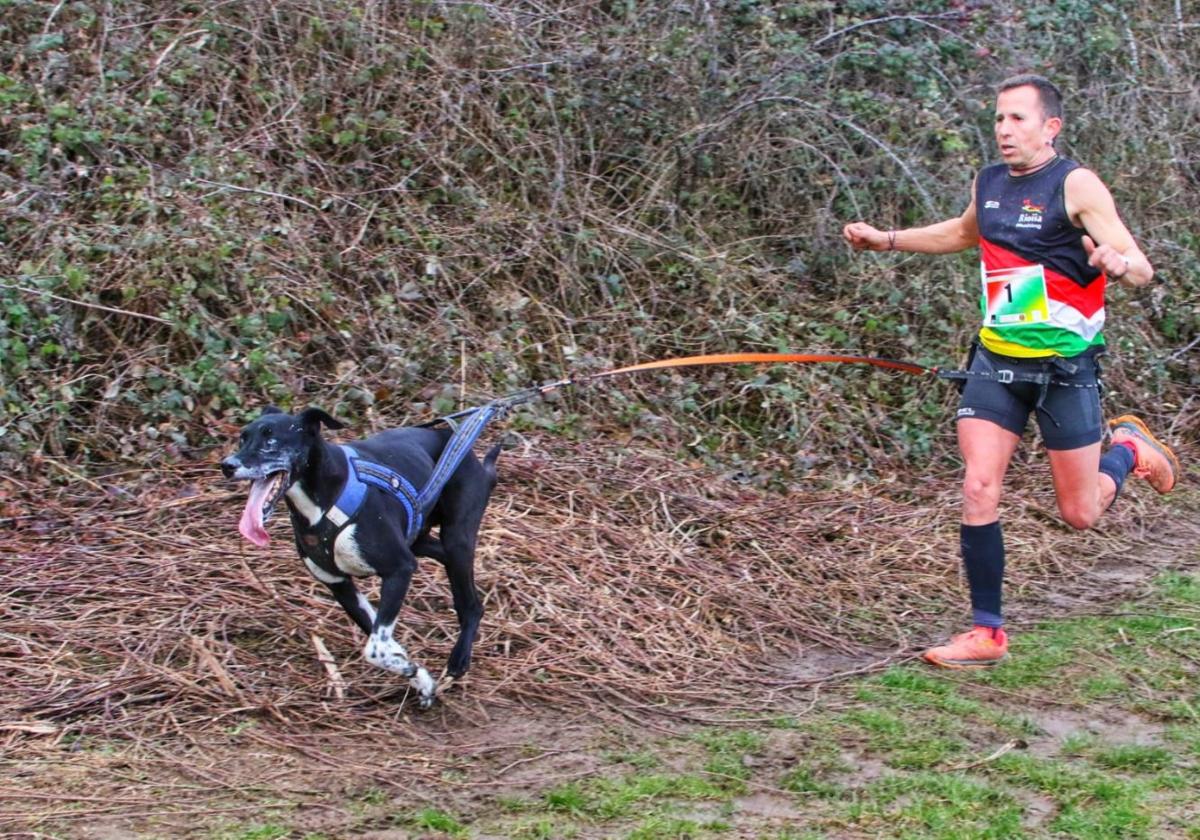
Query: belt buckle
(1004,377)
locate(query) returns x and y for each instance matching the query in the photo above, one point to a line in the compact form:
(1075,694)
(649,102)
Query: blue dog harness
(361,474)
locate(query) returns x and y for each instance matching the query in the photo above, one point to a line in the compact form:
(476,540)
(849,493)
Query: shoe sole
(965,664)
(1158,445)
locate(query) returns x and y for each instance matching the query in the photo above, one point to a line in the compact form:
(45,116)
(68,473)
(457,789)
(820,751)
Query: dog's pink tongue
(251,526)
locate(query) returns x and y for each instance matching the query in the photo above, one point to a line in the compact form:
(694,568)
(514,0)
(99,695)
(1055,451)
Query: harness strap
(460,443)
(361,474)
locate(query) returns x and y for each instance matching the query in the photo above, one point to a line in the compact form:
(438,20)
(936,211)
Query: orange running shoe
(1153,459)
(981,647)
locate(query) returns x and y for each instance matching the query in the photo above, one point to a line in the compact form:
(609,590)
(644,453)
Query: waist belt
(1044,378)
(1007,376)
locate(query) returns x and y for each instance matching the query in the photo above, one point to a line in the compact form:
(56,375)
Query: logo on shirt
(991,205)
(1031,215)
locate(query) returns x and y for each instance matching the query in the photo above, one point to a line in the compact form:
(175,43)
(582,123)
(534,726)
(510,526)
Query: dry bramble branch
(271,194)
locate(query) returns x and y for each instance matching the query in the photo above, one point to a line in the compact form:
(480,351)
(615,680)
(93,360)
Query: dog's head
(273,450)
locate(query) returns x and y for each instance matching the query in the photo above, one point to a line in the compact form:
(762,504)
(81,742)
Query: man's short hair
(1048,93)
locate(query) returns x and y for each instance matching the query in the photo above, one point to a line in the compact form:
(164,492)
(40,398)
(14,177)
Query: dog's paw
(456,666)
(425,686)
(382,651)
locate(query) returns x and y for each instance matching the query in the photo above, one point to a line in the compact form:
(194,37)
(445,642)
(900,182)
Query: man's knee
(1078,515)
(980,494)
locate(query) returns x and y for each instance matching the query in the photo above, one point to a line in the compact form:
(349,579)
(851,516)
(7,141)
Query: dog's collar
(361,474)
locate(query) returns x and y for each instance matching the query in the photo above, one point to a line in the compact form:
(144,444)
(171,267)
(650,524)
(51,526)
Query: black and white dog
(285,456)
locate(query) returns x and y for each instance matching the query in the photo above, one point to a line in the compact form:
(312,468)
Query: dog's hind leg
(459,561)
(468,606)
(430,547)
(382,649)
(462,515)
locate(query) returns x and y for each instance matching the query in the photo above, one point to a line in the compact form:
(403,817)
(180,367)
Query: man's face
(1022,132)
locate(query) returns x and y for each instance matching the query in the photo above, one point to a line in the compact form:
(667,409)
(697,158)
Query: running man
(1049,237)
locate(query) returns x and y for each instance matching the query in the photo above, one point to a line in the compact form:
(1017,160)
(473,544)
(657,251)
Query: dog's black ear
(271,409)
(312,418)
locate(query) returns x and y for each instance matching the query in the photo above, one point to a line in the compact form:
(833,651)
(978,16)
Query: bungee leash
(500,406)
(465,433)
(532,393)
(1050,373)
(770,358)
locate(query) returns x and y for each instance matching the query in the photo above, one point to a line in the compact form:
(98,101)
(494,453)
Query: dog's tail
(489,462)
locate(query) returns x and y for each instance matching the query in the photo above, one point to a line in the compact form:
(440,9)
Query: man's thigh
(1007,406)
(1070,416)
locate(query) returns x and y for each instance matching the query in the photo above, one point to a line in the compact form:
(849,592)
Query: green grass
(569,798)
(936,805)
(625,796)
(813,781)
(674,828)
(1135,758)
(606,799)
(432,819)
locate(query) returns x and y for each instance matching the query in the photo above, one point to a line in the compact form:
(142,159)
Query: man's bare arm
(946,237)
(1091,206)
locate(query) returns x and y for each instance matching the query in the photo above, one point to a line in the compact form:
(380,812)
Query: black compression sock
(983,559)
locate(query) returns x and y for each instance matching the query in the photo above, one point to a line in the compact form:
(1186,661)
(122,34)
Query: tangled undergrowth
(209,205)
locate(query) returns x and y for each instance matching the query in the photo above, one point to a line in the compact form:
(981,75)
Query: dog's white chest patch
(347,557)
(320,574)
(305,506)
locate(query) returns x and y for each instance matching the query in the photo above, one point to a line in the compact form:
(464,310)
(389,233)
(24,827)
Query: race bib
(1014,296)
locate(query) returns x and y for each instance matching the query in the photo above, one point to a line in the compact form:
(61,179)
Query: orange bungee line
(503,404)
(767,358)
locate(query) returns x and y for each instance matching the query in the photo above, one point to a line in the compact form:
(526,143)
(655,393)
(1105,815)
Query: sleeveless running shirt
(1040,296)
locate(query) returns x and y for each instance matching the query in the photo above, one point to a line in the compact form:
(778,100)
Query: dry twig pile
(615,579)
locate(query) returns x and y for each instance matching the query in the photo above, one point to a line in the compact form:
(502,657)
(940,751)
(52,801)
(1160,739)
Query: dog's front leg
(354,603)
(345,593)
(382,649)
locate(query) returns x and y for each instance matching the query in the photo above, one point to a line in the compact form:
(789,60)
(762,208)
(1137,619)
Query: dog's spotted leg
(383,651)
